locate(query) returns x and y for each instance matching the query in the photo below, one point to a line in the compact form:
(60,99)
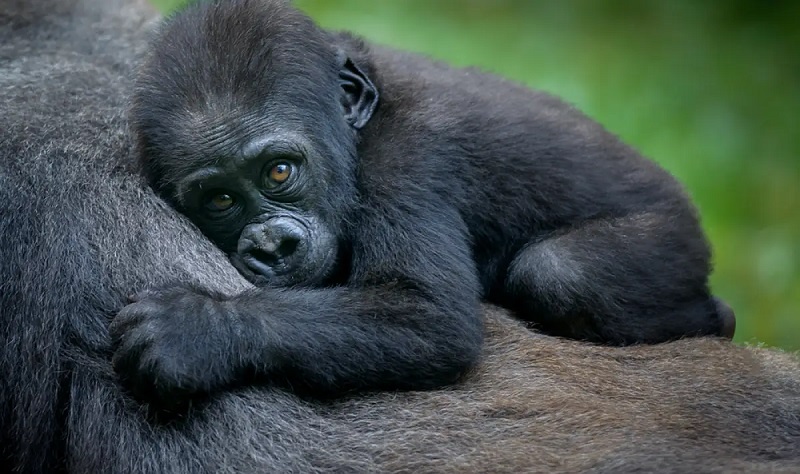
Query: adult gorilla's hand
(171,344)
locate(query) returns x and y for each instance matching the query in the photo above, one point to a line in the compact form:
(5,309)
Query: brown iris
(220,202)
(278,174)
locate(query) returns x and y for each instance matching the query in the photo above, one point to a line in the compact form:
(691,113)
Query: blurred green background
(711,90)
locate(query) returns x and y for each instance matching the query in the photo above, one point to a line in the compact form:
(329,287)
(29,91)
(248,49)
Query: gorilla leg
(621,280)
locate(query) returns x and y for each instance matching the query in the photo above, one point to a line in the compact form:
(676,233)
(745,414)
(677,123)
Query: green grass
(711,90)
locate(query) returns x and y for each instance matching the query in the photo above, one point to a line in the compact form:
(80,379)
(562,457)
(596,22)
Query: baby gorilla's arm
(397,325)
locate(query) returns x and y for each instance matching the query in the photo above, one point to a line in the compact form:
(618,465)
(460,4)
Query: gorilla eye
(220,202)
(278,174)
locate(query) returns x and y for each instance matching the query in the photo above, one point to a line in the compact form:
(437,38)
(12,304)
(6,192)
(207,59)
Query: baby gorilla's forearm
(177,343)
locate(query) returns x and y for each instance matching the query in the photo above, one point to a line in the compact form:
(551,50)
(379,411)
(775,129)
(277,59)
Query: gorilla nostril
(287,247)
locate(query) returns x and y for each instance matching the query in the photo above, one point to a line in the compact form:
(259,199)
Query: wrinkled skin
(74,248)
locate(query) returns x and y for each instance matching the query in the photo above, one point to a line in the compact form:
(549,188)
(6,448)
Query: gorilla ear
(360,97)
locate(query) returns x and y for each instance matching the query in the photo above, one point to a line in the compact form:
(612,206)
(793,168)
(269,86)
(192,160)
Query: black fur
(80,231)
(416,190)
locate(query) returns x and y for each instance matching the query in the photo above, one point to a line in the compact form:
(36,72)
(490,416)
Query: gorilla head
(262,157)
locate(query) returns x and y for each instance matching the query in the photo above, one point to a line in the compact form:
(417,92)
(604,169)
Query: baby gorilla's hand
(174,343)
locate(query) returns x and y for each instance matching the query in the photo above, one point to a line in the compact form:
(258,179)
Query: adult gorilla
(80,231)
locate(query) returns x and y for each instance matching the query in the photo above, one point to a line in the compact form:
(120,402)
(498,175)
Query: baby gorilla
(376,197)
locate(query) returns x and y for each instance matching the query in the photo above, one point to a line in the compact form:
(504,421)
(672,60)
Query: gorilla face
(261,208)
(264,163)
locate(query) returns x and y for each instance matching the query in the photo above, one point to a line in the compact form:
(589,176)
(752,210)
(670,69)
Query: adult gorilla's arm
(79,232)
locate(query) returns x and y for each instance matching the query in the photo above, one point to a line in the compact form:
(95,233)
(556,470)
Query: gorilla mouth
(266,263)
(265,257)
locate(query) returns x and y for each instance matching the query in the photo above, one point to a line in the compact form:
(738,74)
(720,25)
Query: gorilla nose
(270,248)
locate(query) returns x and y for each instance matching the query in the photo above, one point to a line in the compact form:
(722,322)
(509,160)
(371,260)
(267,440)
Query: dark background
(711,90)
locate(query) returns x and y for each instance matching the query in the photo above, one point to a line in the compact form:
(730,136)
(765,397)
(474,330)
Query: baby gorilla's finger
(128,350)
(126,319)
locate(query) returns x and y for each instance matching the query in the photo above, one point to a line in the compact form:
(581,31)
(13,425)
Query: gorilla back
(73,246)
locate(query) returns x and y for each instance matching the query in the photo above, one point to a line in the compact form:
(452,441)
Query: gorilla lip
(243,268)
(268,265)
